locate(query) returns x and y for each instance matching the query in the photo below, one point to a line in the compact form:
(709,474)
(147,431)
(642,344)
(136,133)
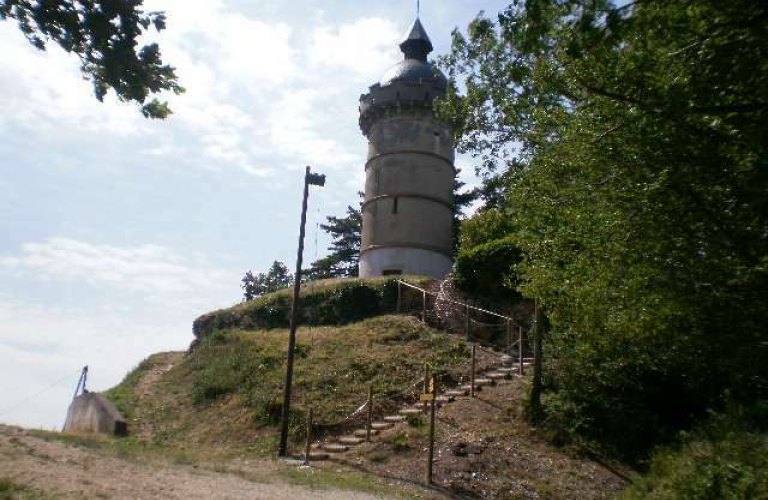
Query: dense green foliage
(630,144)
(335,302)
(256,285)
(723,461)
(105,36)
(487,254)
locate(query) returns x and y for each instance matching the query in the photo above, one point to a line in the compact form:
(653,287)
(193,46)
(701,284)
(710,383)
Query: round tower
(408,207)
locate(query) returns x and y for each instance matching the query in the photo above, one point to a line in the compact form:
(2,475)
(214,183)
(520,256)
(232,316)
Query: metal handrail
(462,304)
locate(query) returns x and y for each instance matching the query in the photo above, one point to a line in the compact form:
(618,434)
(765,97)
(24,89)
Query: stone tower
(408,207)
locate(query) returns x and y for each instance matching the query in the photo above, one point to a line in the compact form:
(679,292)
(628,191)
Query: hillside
(221,400)
(226,393)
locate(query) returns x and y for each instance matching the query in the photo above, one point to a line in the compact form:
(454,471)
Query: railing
(508,321)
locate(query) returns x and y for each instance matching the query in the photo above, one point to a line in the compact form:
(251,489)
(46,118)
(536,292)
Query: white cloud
(113,307)
(364,47)
(152,270)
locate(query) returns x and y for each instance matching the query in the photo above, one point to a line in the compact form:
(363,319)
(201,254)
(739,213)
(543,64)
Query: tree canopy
(628,141)
(345,246)
(105,35)
(277,278)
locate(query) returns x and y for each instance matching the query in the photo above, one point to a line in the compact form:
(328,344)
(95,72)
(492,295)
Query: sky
(117,231)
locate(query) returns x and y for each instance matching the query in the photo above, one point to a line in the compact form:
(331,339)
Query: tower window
(394,205)
(391,272)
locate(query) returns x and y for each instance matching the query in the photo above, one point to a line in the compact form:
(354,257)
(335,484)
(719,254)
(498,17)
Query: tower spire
(416,44)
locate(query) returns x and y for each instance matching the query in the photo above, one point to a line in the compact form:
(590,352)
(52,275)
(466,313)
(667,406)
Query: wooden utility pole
(316,180)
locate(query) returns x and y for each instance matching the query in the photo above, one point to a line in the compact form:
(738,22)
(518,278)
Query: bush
(487,269)
(721,462)
(336,303)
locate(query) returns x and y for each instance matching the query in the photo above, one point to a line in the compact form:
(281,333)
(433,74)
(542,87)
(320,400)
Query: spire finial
(418,8)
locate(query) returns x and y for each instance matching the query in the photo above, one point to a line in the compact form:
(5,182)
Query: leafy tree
(345,246)
(105,36)
(277,278)
(461,200)
(628,141)
(486,256)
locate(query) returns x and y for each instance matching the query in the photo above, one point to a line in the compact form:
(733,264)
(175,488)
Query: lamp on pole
(315,180)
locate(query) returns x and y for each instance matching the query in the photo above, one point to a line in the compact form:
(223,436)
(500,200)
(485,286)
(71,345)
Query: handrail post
(509,336)
(431,452)
(309,437)
(399,293)
(424,307)
(472,374)
(467,325)
(369,415)
(426,385)
(520,350)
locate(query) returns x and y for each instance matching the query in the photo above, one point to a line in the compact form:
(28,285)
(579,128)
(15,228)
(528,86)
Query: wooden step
(351,440)
(362,434)
(497,375)
(505,370)
(482,382)
(394,419)
(334,447)
(317,456)
(468,388)
(380,426)
(457,393)
(411,411)
(442,399)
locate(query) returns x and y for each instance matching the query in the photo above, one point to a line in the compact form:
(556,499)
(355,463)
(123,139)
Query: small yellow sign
(427,397)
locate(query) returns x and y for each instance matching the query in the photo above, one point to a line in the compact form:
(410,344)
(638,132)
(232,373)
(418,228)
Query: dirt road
(59,470)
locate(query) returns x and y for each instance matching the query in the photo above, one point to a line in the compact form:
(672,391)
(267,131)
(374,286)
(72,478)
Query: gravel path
(64,471)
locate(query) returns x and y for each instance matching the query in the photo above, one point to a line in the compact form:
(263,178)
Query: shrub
(723,462)
(337,302)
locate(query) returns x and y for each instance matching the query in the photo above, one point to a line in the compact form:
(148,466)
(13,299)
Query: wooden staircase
(501,372)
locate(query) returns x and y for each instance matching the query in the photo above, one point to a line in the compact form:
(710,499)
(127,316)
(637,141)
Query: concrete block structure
(92,413)
(408,206)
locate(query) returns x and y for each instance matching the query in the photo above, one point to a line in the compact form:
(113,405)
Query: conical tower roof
(416,44)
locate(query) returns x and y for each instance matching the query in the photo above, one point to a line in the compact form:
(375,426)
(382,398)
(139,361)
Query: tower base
(404,260)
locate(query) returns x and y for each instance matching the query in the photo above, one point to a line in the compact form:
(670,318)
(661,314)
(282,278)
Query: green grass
(12,490)
(123,395)
(340,479)
(226,395)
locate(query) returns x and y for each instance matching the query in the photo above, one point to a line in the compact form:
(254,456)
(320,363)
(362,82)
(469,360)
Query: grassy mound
(325,302)
(228,391)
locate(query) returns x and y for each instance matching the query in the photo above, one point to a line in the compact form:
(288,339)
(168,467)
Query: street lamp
(314,180)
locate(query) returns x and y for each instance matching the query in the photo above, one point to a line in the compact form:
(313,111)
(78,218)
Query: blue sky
(116,231)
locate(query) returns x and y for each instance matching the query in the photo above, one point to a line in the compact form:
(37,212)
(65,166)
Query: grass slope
(227,392)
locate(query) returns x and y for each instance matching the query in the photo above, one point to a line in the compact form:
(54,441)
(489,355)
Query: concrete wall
(93,413)
(407,260)
(408,196)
